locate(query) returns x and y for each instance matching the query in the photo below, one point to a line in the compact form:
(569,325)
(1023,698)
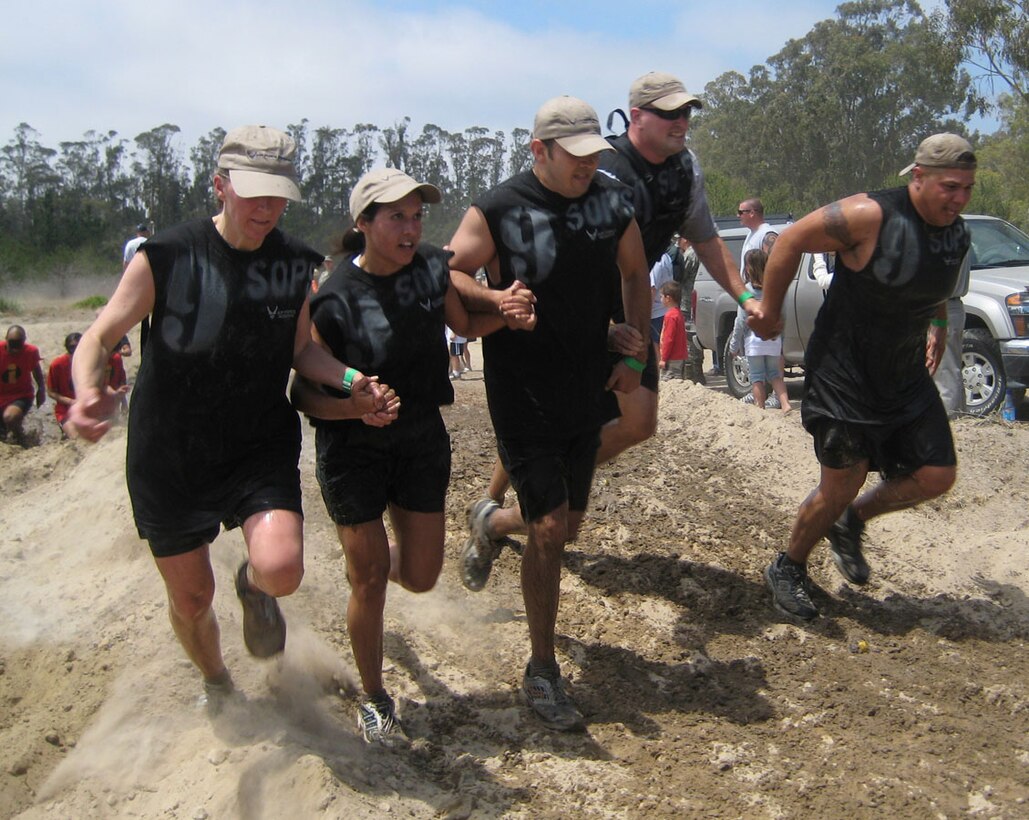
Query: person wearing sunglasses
(19,365)
(667,190)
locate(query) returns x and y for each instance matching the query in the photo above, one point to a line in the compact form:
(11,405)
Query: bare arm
(715,256)
(473,248)
(848,228)
(94,402)
(636,301)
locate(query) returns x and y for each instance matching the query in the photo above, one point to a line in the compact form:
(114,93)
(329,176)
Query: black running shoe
(788,582)
(264,628)
(845,538)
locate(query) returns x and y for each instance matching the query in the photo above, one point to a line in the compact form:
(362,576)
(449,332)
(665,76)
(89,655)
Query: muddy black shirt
(547,383)
(865,361)
(211,387)
(667,197)
(391,327)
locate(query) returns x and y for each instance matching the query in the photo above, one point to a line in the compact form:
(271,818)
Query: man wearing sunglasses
(19,365)
(667,190)
(762,235)
(668,193)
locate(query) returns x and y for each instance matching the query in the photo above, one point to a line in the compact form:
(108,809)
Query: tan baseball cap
(572,123)
(658,89)
(259,161)
(944,151)
(386,185)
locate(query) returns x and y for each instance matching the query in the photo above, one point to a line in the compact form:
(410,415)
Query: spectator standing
(673,334)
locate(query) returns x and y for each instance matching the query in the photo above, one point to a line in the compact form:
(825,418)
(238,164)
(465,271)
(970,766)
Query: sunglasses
(671,116)
(743,211)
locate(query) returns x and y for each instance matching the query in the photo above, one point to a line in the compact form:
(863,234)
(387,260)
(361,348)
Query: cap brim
(582,145)
(907,170)
(249,184)
(676,100)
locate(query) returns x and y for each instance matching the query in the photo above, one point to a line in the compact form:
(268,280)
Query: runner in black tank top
(869,400)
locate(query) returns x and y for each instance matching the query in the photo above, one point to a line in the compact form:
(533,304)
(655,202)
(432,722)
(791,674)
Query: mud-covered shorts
(893,450)
(361,469)
(545,473)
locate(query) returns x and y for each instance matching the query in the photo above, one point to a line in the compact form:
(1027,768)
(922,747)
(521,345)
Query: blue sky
(69,66)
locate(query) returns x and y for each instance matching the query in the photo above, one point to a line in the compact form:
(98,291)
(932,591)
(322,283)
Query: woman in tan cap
(212,437)
(384,309)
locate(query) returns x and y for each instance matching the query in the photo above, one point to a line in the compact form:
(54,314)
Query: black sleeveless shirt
(547,383)
(865,361)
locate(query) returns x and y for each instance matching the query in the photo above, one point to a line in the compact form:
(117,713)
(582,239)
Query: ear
(219,186)
(539,150)
(635,116)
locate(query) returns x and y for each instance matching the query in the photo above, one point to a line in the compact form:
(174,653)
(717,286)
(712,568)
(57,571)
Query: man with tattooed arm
(869,398)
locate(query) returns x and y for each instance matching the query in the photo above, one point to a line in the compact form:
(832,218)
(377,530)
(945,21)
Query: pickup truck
(995,353)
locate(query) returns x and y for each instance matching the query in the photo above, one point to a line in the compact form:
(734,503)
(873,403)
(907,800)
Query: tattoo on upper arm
(836,224)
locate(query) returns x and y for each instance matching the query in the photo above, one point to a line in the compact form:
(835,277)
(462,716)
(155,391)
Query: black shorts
(268,486)
(363,469)
(649,380)
(894,451)
(457,348)
(547,473)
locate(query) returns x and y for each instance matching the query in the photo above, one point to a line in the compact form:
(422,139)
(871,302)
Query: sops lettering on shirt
(280,280)
(529,233)
(950,242)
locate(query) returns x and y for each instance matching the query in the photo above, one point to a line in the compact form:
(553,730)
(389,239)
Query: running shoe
(772,403)
(378,722)
(216,695)
(788,582)
(845,539)
(479,551)
(546,696)
(264,629)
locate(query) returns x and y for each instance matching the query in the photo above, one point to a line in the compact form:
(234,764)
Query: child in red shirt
(673,334)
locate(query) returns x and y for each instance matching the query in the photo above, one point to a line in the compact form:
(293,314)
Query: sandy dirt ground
(909,698)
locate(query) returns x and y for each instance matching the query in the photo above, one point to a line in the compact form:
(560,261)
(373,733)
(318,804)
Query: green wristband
(635,364)
(743,297)
(938,322)
(347,384)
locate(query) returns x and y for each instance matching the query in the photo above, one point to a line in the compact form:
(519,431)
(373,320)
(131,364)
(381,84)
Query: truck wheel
(737,372)
(982,371)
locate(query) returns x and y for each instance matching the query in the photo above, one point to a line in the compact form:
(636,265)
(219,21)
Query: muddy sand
(701,701)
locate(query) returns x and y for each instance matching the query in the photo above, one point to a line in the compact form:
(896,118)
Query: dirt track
(700,701)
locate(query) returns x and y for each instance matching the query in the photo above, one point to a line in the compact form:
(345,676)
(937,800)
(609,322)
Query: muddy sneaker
(216,695)
(845,538)
(377,719)
(264,629)
(479,551)
(788,582)
(546,696)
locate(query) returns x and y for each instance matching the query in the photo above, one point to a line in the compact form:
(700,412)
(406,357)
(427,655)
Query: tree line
(840,110)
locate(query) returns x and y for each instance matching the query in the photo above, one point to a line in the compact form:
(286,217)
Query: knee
(368,581)
(191,605)
(935,481)
(278,577)
(551,533)
(422,583)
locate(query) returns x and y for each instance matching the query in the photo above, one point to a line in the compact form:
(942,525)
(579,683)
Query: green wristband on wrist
(635,364)
(743,297)
(938,322)
(347,384)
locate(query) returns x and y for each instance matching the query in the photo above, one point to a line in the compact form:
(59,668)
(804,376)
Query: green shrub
(91,302)
(7,306)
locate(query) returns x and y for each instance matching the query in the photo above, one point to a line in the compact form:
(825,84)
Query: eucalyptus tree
(839,110)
